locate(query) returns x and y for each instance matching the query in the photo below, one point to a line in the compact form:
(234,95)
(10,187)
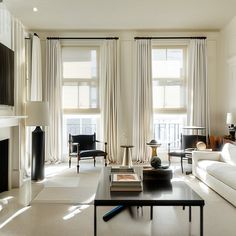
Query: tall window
(169,91)
(81,105)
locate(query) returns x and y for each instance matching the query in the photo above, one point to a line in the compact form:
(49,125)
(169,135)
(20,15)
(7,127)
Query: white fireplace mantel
(9,121)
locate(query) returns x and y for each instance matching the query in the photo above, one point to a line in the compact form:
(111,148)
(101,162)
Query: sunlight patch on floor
(54,169)
(200,184)
(75,210)
(204,187)
(90,199)
(4,201)
(14,216)
(177,179)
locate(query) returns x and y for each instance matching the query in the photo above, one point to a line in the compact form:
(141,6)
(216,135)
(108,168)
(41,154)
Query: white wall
(226,86)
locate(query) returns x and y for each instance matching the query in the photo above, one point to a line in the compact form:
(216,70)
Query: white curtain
(54,97)
(143,107)
(198,109)
(110,92)
(18,36)
(36,70)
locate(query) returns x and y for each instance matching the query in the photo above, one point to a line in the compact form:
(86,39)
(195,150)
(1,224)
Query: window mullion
(164,99)
(78,94)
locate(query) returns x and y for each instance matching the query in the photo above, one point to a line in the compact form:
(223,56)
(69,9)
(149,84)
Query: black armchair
(84,147)
(187,145)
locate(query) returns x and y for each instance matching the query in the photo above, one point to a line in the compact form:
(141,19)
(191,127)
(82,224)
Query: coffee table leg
(151,212)
(201,220)
(95,220)
(190,214)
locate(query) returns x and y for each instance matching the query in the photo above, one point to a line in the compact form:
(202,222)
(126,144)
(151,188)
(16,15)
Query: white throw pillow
(228,154)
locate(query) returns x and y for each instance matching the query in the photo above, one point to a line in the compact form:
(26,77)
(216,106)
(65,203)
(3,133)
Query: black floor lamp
(38,115)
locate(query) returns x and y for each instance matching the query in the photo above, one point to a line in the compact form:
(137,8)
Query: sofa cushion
(204,164)
(228,154)
(222,171)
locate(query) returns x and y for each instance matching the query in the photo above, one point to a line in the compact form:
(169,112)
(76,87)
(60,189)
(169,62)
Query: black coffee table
(174,193)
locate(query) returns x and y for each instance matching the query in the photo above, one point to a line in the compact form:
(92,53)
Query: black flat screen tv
(6,76)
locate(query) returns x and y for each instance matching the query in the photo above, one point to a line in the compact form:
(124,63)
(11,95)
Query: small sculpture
(155,162)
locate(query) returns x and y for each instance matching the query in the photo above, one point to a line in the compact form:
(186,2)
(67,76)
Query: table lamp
(38,115)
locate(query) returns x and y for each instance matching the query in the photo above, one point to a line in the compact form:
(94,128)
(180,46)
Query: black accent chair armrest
(105,143)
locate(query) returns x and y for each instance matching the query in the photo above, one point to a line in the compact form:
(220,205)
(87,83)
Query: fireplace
(4,162)
(11,152)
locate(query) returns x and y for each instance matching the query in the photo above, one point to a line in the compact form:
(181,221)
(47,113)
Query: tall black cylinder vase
(38,154)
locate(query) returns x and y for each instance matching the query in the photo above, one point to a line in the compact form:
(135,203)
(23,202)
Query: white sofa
(217,170)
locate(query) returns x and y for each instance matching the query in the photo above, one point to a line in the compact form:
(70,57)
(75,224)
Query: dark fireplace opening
(4,165)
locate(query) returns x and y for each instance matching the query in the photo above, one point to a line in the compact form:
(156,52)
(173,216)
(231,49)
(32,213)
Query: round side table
(127,157)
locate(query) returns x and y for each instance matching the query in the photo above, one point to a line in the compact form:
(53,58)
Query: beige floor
(37,210)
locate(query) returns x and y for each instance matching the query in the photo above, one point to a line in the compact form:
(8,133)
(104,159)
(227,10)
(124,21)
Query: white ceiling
(123,14)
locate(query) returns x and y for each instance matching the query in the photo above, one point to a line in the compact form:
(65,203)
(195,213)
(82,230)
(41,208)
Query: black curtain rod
(201,37)
(35,34)
(106,38)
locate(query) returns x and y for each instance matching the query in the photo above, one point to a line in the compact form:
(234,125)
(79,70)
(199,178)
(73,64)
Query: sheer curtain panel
(110,96)
(143,107)
(54,97)
(36,71)
(198,109)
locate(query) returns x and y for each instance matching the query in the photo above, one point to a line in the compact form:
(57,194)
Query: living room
(105,40)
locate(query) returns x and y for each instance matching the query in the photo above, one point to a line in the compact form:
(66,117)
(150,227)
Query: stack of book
(126,182)
(122,169)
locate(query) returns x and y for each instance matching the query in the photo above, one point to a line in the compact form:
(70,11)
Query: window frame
(166,81)
(96,80)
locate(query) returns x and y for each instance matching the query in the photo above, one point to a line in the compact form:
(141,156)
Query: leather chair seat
(87,153)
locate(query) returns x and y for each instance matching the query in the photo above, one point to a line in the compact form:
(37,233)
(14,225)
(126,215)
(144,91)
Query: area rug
(66,195)
(68,187)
